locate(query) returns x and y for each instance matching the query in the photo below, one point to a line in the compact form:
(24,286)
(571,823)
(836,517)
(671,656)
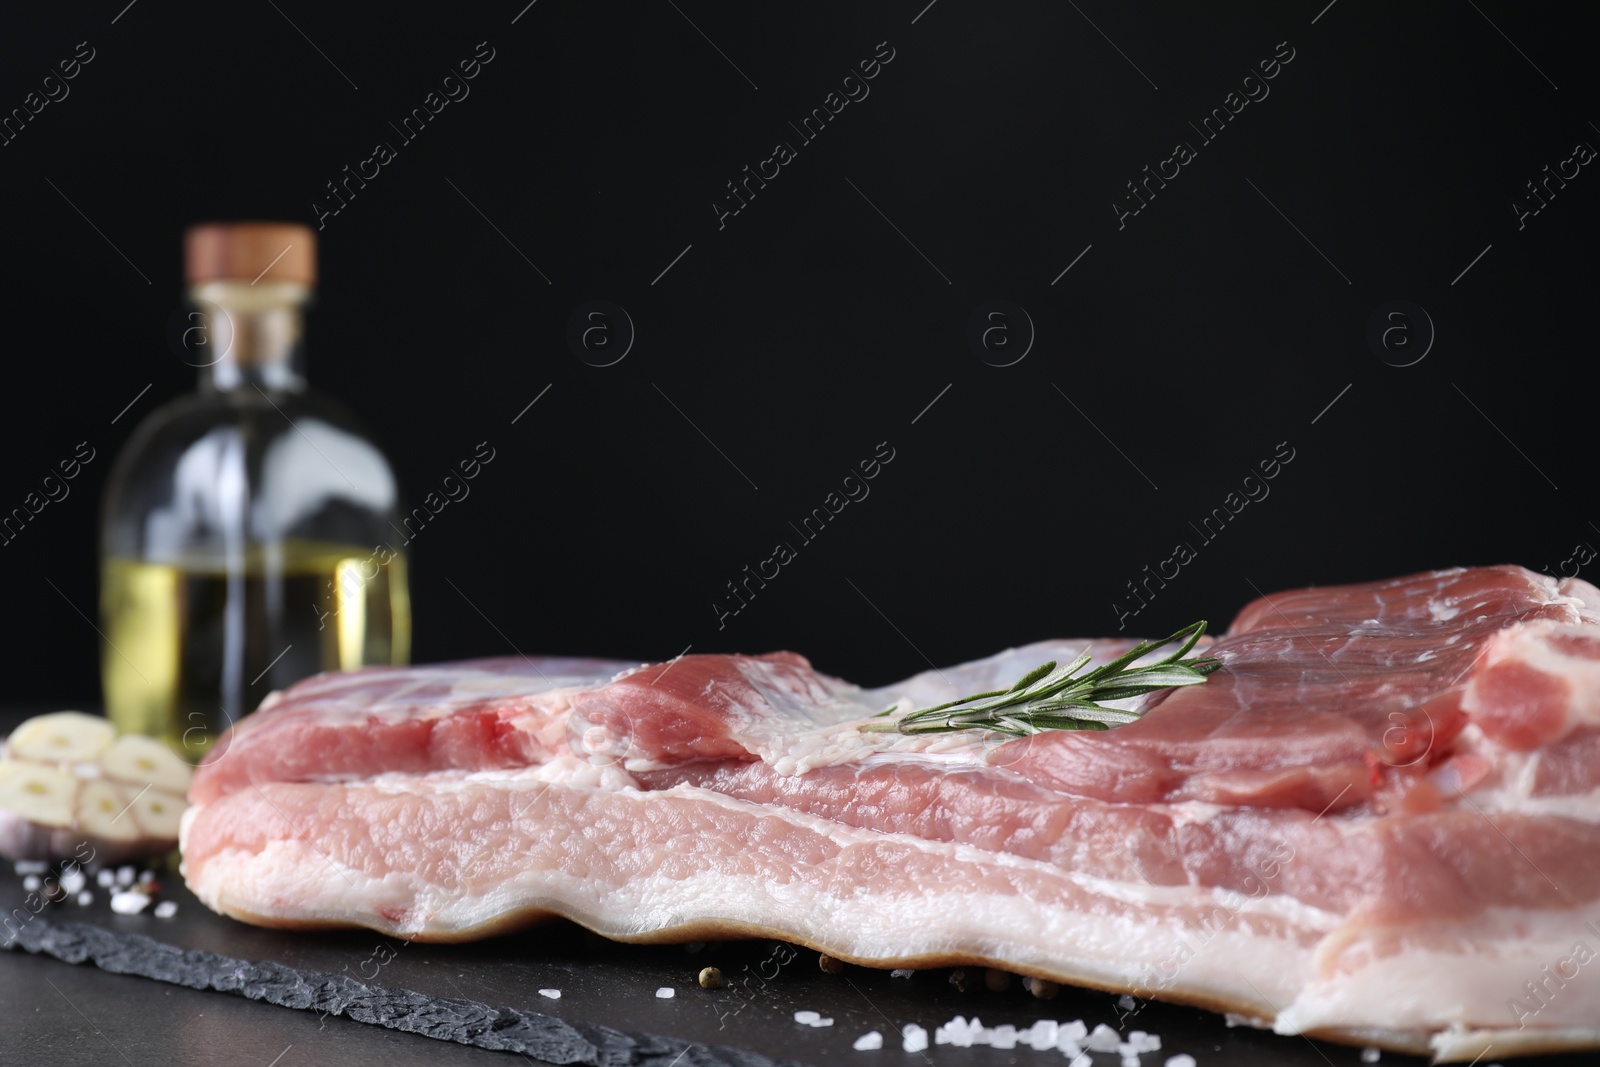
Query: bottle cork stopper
(250,252)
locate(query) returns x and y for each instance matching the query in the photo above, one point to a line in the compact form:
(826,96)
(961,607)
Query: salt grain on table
(552,994)
(1182,1059)
(915,1038)
(166,910)
(1102,1039)
(85,898)
(869,1041)
(1139,1043)
(666,992)
(129,903)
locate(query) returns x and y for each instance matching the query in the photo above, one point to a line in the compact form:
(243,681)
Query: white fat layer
(1273,956)
(1520,966)
(569,771)
(1463,1045)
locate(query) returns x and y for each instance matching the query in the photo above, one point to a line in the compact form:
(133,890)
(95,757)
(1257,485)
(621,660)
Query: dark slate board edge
(543,1037)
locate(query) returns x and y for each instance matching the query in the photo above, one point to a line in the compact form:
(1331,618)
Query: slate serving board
(488,992)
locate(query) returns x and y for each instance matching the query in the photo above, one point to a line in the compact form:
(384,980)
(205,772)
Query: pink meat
(1376,821)
(475,715)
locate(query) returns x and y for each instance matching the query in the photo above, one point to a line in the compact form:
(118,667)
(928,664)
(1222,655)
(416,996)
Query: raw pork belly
(1378,821)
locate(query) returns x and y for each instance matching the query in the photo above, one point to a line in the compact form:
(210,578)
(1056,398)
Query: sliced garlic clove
(159,814)
(61,737)
(146,761)
(104,812)
(37,793)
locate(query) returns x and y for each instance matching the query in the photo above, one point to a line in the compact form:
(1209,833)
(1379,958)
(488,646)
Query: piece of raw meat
(1378,821)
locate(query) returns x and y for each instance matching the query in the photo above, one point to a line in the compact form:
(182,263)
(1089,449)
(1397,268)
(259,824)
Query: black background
(807,330)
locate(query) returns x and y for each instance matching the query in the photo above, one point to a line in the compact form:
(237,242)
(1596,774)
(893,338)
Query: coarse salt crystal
(1082,1059)
(85,898)
(666,992)
(129,903)
(826,1020)
(165,910)
(550,994)
(73,880)
(1003,1036)
(1043,1035)
(125,875)
(869,1041)
(105,878)
(1130,1060)
(904,972)
(1143,1042)
(1075,1030)
(1126,1002)
(914,1037)
(807,1018)
(32,883)
(1102,1039)
(1182,1059)
(1370,1055)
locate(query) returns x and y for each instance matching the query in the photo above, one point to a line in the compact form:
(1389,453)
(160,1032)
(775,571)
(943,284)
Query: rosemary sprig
(1054,697)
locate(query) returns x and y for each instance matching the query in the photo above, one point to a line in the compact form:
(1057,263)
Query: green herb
(1057,698)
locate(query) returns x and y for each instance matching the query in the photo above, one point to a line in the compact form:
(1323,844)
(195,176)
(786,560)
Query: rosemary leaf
(1057,697)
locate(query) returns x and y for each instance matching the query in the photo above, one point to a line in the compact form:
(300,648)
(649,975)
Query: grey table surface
(54,1012)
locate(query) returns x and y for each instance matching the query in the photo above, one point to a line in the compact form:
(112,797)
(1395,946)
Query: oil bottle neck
(253,333)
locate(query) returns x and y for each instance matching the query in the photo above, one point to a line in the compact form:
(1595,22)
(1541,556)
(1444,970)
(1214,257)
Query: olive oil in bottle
(168,627)
(247,527)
